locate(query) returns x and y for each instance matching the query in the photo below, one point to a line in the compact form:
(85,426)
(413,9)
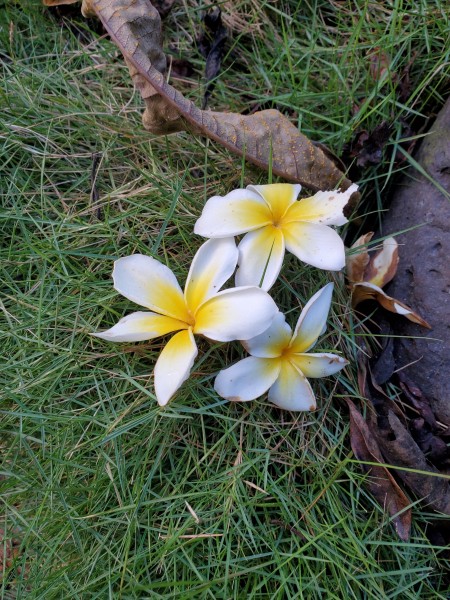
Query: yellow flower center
(286,353)
(190,320)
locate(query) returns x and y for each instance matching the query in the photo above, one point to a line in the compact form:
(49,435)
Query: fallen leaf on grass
(402,423)
(267,138)
(368,291)
(408,435)
(368,274)
(381,483)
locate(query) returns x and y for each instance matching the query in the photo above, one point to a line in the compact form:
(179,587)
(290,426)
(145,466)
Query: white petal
(401,310)
(271,342)
(261,256)
(235,314)
(237,212)
(312,320)
(318,365)
(211,267)
(174,365)
(291,390)
(315,244)
(279,196)
(383,264)
(139,326)
(324,207)
(146,281)
(248,379)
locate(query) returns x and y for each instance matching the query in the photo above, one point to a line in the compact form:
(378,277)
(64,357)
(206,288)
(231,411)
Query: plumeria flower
(237,313)
(275,221)
(280,361)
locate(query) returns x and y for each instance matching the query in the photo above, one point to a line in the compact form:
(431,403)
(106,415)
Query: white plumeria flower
(280,361)
(237,313)
(276,221)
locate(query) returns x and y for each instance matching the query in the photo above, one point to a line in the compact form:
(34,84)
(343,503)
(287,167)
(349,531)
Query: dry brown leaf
(357,262)
(266,138)
(369,291)
(368,274)
(381,483)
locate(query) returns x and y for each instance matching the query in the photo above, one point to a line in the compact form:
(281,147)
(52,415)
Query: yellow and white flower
(274,220)
(280,361)
(237,313)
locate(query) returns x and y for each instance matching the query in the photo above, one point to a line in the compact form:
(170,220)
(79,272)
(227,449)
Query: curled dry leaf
(379,268)
(266,138)
(368,274)
(381,483)
(368,291)
(356,263)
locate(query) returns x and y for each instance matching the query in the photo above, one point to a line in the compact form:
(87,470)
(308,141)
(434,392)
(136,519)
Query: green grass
(109,495)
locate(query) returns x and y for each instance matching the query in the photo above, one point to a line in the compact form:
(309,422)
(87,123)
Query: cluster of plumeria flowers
(279,360)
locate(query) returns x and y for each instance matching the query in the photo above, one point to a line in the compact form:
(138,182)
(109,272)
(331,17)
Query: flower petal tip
(102,335)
